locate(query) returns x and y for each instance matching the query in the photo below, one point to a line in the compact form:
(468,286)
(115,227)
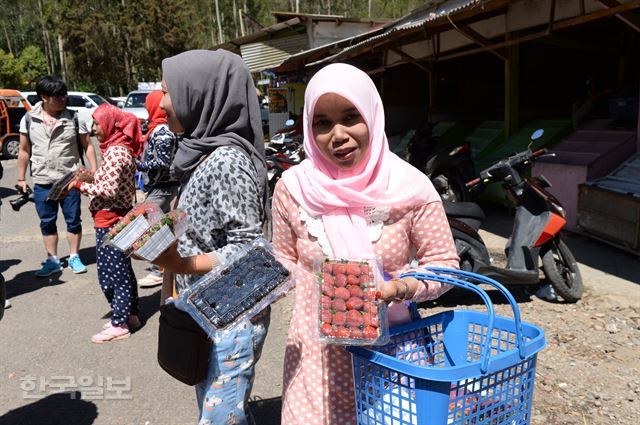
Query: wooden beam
(627,17)
(552,14)
(583,19)
(408,58)
(478,38)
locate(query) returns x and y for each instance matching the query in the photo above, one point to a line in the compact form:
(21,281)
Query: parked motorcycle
(424,153)
(536,229)
(278,162)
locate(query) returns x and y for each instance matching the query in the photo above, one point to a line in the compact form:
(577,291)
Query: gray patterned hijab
(215,100)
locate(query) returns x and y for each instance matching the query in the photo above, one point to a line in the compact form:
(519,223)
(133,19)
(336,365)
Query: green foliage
(10,71)
(34,65)
(110,45)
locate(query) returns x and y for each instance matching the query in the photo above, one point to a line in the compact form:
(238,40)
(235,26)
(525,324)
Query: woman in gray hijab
(210,99)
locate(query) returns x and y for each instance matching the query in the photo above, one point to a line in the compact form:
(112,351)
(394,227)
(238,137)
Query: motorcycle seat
(467,212)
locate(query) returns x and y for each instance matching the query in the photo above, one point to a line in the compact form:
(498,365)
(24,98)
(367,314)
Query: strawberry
(340,280)
(371,319)
(339,318)
(342,293)
(365,279)
(327,267)
(326,329)
(365,269)
(327,290)
(341,332)
(352,279)
(354,303)
(354,318)
(338,305)
(355,291)
(353,269)
(339,268)
(370,332)
(327,278)
(355,333)
(369,307)
(325,302)
(325,316)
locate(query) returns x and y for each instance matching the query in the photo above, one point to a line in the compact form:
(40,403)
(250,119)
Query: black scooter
(536,230)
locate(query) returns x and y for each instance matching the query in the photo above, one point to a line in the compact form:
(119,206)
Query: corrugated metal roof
(409,22)
(625,179)
(271,53)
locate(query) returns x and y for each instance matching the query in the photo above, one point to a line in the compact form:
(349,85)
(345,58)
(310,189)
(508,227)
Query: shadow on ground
(266,411)
(56,409)
(26,282)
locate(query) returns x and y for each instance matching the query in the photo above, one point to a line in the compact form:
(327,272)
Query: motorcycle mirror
(537,134)
(289,123)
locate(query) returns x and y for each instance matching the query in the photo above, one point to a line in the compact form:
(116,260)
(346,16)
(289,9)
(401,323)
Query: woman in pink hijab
(351,198)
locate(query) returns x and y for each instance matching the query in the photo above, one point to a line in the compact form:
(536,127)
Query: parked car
(135,104)
(13,106)
(31,97)
(84,103)
(117,101)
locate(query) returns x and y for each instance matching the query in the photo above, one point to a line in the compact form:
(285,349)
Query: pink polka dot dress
(318,378)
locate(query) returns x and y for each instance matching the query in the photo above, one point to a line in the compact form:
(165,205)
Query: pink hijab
(381,179)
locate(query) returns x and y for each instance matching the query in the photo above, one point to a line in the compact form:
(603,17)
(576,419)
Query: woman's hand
(84,175)
(399,289)
(170,259)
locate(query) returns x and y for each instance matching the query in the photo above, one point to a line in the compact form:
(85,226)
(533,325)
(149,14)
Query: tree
(10,71)
(33,63)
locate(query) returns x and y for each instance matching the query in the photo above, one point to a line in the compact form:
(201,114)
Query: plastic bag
(132,226)
(244,285)
(350,312)
(161,235)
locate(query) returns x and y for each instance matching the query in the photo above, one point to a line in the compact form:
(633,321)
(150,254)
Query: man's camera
(24,197)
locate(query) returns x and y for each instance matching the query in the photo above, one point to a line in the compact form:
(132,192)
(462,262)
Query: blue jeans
(222,397)
(48,210)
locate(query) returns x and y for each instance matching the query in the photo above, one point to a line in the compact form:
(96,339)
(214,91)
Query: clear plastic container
(157,238)
(350,312)
(132,226)
(244,285)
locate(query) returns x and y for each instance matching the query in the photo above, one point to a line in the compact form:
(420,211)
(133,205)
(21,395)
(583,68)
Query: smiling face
(340,131)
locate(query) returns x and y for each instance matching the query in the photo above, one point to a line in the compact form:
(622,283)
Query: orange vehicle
(12,108)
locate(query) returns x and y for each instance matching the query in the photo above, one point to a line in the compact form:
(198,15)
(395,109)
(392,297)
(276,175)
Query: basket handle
(484,359)
(500,287)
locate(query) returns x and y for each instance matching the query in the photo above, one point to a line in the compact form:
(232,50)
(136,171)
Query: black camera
(24,197)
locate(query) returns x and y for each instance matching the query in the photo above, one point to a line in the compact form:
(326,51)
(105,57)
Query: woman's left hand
(398,289)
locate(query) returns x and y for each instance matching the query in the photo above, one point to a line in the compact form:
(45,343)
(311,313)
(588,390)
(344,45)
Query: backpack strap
(27,121)
(76,123)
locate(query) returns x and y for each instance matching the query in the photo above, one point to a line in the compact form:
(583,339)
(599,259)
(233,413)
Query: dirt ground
(589,373)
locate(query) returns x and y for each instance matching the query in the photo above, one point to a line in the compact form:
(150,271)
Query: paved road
(44,341)
(44,337)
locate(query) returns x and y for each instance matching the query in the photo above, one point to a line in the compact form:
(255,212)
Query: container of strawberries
(350,312)
(133,225)
(161,235)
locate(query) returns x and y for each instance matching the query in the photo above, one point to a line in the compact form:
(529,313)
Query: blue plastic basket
(456,367)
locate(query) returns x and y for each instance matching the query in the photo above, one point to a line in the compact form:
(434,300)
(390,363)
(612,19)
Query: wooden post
(511,95)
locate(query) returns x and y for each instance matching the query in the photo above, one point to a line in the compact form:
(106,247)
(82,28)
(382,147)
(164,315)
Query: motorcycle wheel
(469,255)
(562,271)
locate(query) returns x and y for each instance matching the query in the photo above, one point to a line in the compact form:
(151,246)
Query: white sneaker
(150,281)
(7,304)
